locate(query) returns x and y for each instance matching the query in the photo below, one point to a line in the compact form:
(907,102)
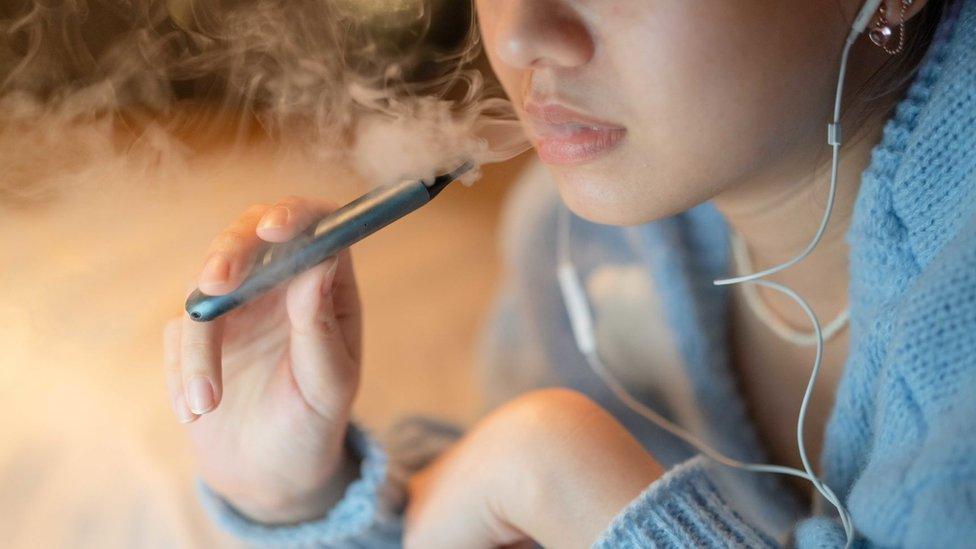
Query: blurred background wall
(130,134)
(90,454)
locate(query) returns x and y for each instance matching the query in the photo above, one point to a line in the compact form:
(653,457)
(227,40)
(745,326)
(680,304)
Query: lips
(564,136)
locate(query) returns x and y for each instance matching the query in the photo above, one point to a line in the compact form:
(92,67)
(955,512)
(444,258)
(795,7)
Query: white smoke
(378,85)
(132,132)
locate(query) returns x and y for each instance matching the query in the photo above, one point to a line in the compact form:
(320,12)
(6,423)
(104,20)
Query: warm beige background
(89,453)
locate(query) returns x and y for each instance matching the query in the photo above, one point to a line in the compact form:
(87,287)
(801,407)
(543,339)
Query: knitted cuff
(681,509)
(369,503)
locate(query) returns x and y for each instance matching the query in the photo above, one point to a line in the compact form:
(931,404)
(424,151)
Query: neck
(777,221)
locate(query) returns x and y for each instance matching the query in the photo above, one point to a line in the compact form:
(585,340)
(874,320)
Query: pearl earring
(882,32)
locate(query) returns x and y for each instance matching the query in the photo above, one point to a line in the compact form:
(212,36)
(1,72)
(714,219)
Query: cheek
(718,86)
(717,97)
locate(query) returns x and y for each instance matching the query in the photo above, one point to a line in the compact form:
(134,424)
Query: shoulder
(917,487)
(934,334)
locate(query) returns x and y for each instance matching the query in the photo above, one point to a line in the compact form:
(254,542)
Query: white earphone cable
(581,319)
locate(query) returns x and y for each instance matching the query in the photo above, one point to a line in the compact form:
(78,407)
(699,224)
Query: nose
(541,33)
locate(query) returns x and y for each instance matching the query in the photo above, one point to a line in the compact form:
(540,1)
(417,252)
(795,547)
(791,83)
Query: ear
(893,10)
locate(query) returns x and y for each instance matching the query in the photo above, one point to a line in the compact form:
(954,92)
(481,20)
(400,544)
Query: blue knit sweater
(900,447)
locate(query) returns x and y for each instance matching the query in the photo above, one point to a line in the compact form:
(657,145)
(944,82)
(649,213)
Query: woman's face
(645,108)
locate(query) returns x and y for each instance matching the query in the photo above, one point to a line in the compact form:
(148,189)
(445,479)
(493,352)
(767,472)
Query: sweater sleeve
(371,511)
(684,508)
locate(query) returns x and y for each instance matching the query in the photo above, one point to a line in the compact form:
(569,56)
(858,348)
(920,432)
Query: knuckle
(320,205)
(197,354)
(173,368)
(171,344)
(229,241)
(329,328)
(173,324)
(322,326)
(292,200)
(328,325)
(301,206)
(171,332)
(255,209)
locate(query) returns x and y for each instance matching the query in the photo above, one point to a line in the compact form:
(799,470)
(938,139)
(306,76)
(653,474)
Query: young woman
(670,129)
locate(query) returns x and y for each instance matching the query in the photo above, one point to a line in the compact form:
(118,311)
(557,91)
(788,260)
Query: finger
(232,253)
(346,305)
(322,364)
(300,213)
(174,378)
(200,363)
(290,216)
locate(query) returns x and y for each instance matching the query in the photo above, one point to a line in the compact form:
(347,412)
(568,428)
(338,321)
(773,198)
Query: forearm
(583,479)
(551,466)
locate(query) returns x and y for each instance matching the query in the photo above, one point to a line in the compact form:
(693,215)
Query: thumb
(322,365)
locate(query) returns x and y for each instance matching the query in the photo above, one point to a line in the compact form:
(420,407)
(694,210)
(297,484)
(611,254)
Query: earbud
(863,18)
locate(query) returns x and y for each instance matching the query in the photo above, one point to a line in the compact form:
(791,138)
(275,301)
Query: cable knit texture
(900,447)
(669,514)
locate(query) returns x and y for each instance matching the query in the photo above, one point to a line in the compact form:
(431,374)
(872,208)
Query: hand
(266,390)
(550,466)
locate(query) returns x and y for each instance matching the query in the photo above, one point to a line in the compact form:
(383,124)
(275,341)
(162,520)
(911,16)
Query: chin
(596,200)
(604,200)
(617,197)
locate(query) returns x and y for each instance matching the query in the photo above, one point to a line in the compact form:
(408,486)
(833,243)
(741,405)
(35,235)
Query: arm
(916,488)
(550,466)
(553,467)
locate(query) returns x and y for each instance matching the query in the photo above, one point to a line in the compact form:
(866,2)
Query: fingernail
(277,217)
(216,270)
(199,392)
(182,411)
